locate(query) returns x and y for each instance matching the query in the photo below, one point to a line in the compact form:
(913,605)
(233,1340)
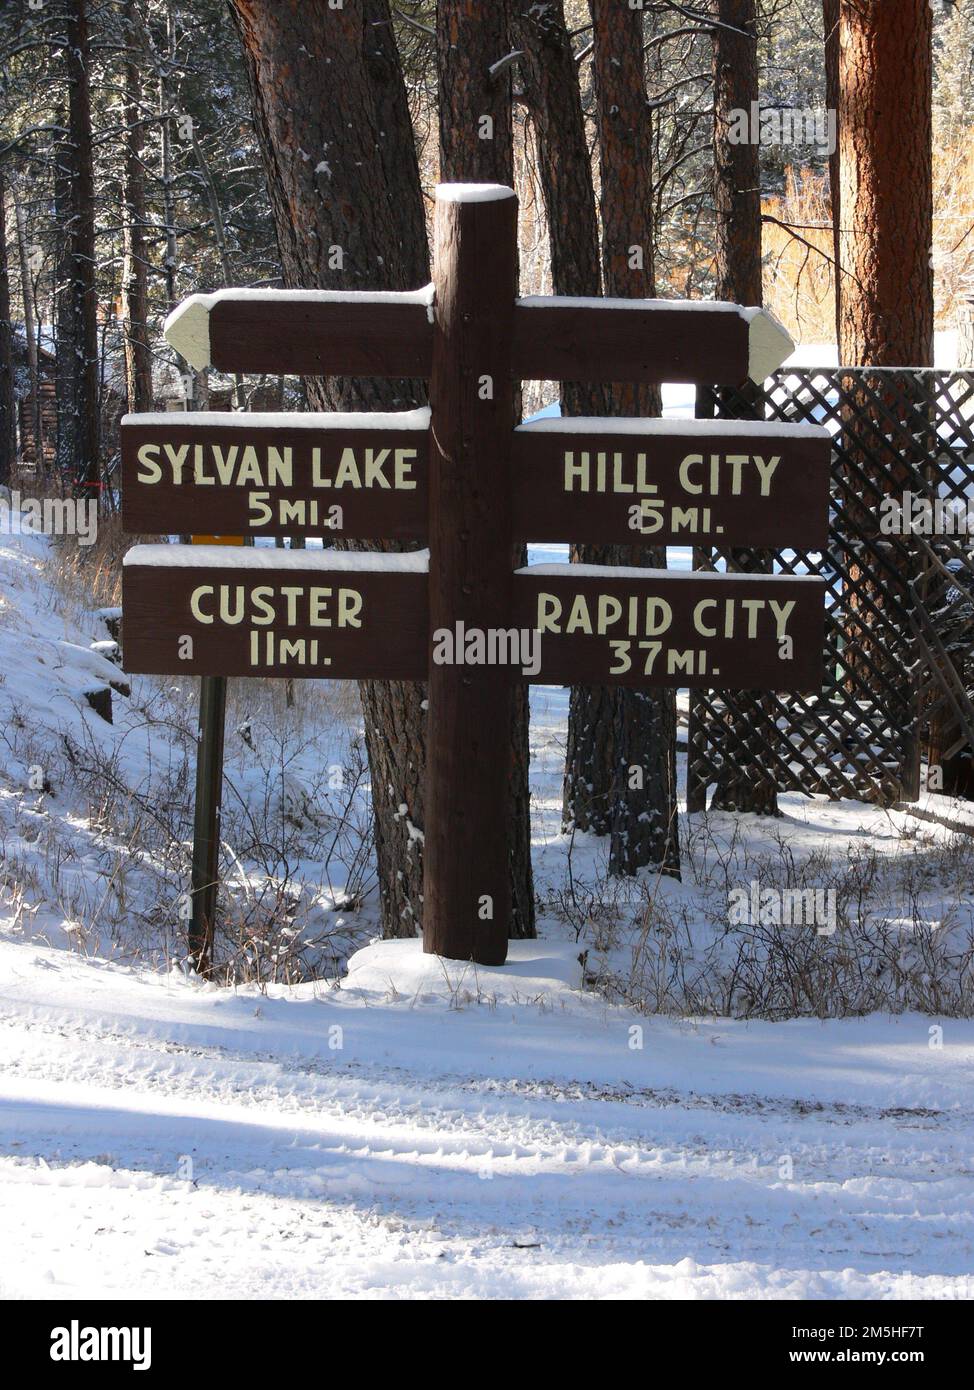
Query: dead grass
(798,271)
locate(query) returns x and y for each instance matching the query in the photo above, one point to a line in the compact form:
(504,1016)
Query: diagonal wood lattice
(900,607)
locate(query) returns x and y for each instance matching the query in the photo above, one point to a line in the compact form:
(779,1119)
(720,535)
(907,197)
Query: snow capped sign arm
(558,338)
(306,332)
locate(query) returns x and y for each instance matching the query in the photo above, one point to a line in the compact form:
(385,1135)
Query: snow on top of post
(667,428)
(418,419)
(472,192)
(270,558)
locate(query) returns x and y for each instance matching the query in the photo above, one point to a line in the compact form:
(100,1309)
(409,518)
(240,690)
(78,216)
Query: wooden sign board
(689,482)
(583,480)
(210,611)
(355,475)
(606,625)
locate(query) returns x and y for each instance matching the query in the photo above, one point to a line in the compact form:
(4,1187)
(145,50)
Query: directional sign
(207,610)
(553,338)
(465,480)
(322,615)
(311,332)
(606,625)
(558,338)
(697,482)
(358,475)
(366,476)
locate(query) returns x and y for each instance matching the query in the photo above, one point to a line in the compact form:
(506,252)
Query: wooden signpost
(464,479)
(205,871)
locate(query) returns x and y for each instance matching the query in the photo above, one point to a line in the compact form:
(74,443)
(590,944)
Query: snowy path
(465,1153)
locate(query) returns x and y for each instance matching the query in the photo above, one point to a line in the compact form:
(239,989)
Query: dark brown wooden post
(467,887)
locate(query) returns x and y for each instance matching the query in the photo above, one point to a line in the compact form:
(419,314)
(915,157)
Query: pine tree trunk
(475,117)
(30,328)
(830,20)
(344,188)
(476,146)
(620,771)
(737,166)
(549,80)
(886,298)
(196,389)
(7,402)
(165,151)
(885,139)
(68,350)
(81,289)
(737,226)
(551,92)
(138,361)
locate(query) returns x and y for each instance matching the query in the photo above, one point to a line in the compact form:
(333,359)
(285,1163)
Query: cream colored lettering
(148,457)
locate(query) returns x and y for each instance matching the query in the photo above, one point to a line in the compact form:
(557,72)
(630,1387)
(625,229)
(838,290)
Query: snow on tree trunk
(6,353)
(78,414)
(138,361)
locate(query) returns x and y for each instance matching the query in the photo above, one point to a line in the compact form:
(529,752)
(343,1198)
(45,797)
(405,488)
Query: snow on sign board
(366,477)
(468,482)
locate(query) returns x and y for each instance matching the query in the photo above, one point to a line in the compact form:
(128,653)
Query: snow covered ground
(474,1138)
(420,1129)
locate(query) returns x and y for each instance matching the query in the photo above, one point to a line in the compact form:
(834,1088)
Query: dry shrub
(798,280)
(797,243)
(903,939)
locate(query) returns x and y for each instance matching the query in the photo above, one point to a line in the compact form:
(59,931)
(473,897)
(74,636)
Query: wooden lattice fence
(898,627)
